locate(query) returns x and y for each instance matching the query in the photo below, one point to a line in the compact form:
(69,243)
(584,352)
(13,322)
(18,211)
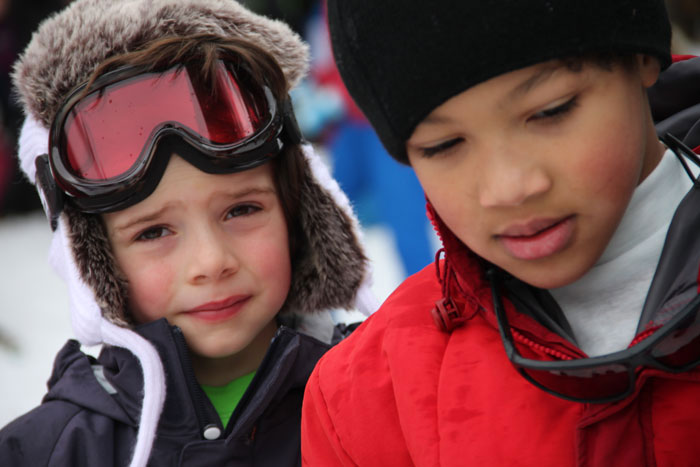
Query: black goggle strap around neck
(493,276)
(680,150)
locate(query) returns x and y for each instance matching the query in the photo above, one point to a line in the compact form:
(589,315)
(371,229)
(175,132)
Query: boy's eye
(440,148)
(557,111)
(153,233)
(242,210)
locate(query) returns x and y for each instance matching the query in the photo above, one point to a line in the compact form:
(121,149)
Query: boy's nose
(211,257)
(509,183)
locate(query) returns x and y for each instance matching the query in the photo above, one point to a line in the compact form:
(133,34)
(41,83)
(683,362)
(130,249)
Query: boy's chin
(548,276)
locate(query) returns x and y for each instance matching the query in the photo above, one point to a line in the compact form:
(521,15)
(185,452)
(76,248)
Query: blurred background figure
(8,51)
(685,18)
(383,192)
(18,18)
(293,12)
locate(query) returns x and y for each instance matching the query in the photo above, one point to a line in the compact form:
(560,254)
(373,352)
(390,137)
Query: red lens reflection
(106,132)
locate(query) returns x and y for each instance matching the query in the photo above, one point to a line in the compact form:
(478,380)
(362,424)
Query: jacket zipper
(539,347)
(562,356)
(196,392)
(260,373)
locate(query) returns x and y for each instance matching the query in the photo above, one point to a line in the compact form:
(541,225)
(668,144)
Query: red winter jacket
(401,392)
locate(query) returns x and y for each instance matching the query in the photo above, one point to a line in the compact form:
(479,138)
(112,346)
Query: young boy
(200,239)
(569,233)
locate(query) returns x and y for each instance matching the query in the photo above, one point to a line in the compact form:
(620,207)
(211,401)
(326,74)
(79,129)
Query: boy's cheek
(149,294)
(611,169)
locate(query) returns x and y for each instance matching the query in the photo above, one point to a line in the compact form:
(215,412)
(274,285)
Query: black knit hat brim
(400,60)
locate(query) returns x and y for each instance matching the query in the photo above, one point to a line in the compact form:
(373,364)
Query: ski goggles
(106,142)
(673,348)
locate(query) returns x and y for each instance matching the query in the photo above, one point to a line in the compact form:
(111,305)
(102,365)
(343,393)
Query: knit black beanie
(400,59)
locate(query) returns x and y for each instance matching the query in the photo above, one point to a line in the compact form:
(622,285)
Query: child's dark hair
(603,60)
(202,50)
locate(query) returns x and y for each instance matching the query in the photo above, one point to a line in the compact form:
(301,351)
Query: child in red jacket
(569,231)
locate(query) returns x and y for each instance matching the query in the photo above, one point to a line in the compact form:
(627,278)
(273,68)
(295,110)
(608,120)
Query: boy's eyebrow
(536,79)
(255,190)
(151,216)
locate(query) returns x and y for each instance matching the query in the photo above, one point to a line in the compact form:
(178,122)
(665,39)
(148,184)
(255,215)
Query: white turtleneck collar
(603,306)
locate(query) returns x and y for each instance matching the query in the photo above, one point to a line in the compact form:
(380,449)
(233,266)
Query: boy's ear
(649,69)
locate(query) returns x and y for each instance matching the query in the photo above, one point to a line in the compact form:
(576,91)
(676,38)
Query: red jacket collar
(463,280)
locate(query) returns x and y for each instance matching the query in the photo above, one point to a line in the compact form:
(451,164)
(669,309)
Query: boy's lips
(219,310)
(538,238)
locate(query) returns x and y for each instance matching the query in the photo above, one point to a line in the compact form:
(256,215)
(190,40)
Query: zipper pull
(446,315)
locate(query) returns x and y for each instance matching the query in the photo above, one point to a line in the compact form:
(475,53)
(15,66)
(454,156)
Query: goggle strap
(290,125)
(676,145)
(51,195)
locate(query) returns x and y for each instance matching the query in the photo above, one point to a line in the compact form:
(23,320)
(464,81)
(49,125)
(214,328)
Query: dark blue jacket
(82,422)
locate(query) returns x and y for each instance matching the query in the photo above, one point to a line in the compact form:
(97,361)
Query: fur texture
(68,47)
(332,267)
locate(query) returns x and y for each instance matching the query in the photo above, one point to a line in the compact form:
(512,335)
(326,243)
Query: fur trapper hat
(68,47)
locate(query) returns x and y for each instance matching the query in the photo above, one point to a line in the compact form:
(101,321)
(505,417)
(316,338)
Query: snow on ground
(34,314)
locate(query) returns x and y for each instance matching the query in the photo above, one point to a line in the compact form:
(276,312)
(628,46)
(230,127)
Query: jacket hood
(73,379)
